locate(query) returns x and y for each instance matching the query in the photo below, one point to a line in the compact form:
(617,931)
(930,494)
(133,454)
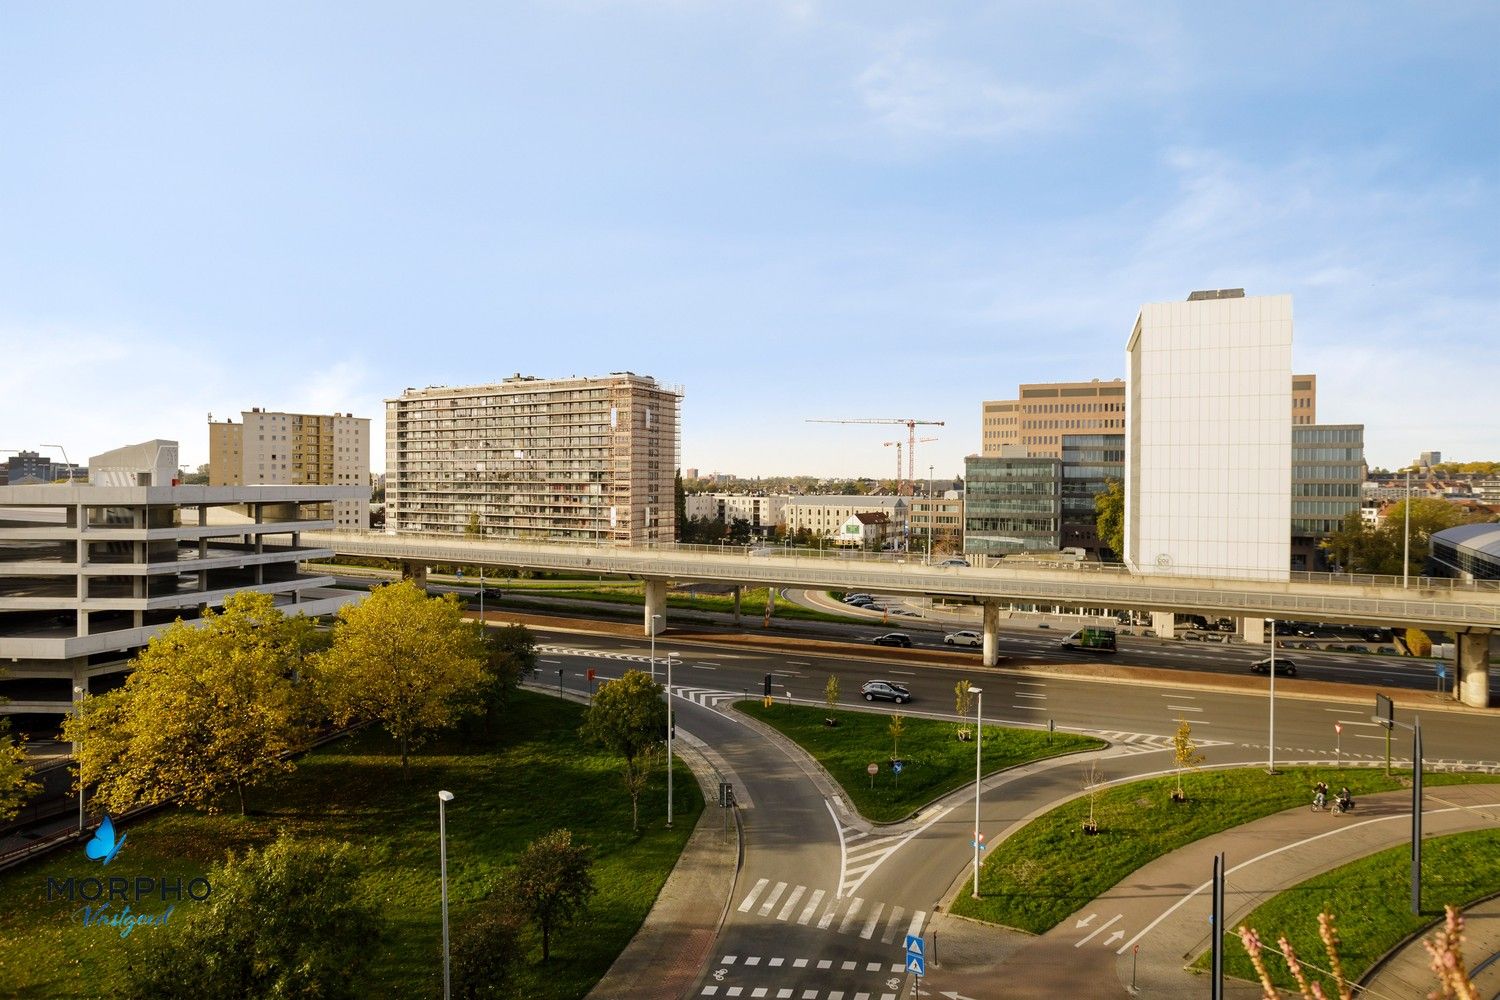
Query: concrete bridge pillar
(656,601)
(1472,683)
(736,605)
(991,633)
(1253,631)
(1164,624)
(415,572)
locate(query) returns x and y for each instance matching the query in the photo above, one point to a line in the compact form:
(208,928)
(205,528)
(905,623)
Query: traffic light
(768,685)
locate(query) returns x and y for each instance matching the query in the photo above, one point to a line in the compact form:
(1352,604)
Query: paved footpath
(1164,907)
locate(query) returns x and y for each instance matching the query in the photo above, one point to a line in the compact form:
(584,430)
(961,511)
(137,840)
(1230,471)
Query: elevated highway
(1471,611)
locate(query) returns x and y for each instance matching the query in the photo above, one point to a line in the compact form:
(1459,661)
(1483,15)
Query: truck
(1091,640)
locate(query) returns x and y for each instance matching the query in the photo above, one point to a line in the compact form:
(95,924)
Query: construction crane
(897,446)
(911,443)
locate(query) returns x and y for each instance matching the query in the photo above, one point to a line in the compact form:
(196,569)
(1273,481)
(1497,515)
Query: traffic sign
(916,963)
(896,766)
(915,945)
(1338,727)
(591,675)
(873,770)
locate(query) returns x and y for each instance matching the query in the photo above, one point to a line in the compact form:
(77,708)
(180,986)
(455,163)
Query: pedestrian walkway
(1408,972)
(676,940)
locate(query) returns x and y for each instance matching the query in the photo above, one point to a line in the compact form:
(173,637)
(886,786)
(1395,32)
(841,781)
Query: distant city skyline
(792,210)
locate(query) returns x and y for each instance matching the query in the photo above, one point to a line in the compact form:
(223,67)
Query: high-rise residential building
(271,448)
(1012,503)
(1208,442)
(92,571)
(581,459)
(1328,471)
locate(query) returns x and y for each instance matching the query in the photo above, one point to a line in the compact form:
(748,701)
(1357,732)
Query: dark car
(893,639)
(886,691)
(1283,666)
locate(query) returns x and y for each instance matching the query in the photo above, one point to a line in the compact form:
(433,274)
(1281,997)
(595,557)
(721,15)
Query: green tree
(15,776)
(405,660)
(1184,752)
(486,952)
(281,923)
(551,883)
(831,692)
(963,701)
(629,718)
(1360,548)
(510,654)
(1109,510)
(679,504)
(208,710)
(897,729)
(471,529)
(1417,642)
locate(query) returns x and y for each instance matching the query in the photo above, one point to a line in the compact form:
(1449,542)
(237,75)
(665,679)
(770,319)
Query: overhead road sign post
(1385,714)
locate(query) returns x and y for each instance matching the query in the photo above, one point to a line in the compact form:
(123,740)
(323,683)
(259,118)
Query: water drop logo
(104,846)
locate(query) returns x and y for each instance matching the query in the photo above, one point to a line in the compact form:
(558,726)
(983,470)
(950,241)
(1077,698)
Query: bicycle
(1319,803)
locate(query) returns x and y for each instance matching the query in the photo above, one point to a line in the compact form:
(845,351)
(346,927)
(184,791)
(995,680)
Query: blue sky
(792,209)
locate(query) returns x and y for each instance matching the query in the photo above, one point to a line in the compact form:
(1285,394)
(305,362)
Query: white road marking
(823,922)
(791,901)
(728,959)
(1032,683)
(759,991)
(770,903)
(854,907)
(869,928)
(799,663)
(799,963)
(1184,708)
(1028,694)
(699,666)
(891,925)
(916,922)
(903,673)
(753,960)
(1097,930)
(843,851)
(824,963)
(759,888)
(812,907)
(1030,708)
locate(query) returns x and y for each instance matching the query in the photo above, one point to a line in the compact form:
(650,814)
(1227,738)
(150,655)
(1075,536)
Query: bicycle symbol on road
(719,976)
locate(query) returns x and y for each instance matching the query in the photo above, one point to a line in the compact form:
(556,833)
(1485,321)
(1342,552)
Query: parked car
(1193,635)
(886,691)
(1283,666)
(954,562)
(852,598)
(893,639)
(862,602)
(964,638)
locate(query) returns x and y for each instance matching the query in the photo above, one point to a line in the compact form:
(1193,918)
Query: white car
(964,638)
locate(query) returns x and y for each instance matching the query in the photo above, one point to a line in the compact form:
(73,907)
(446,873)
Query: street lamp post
(978,745)
(1271,737)
(671,659)
(1406,534)
(66,463)
(443,799)
(654,620)
(78,692)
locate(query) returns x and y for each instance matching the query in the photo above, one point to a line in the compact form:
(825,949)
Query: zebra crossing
(1137,743)
(847,915)
(597,654)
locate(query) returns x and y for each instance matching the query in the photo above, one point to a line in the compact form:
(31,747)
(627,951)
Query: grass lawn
(935,762)
(1049,868)
(531,778)
(1370,900)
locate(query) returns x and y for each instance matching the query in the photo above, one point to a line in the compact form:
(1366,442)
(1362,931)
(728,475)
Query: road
(824,902)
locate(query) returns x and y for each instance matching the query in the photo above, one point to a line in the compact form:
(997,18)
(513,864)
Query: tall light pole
(978,744)
(78,692)
(671,659)
(443,799)
(70,464)
(1271,738)
(654,620)
(1406,535)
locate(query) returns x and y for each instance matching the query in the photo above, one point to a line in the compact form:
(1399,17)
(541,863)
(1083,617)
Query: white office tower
(1209,436)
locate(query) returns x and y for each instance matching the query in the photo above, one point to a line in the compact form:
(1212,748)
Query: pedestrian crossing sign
(914,944)
(916,964)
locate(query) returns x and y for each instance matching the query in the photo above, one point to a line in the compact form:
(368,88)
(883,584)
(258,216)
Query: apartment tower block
(271,448)
(577,459)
